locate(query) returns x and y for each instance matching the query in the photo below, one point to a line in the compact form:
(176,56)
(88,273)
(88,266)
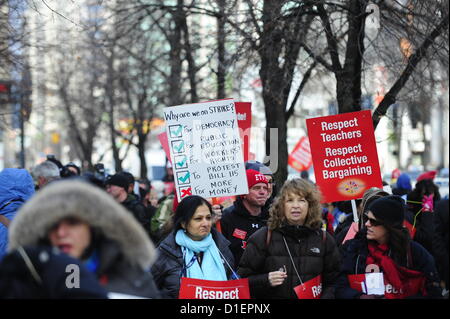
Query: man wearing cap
(247,214)
(117,186)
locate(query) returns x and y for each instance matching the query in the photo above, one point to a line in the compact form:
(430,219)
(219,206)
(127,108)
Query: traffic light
(5,92)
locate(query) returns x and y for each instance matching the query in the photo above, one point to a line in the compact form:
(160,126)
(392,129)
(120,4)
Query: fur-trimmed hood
(63,199)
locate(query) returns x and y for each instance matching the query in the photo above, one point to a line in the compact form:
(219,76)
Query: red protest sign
(244,119)
(344,154)
(351,232)
(165,144)
(300,157)
(312,289)
(210,289)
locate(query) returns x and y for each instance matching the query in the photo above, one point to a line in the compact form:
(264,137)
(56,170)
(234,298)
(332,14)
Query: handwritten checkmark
(181,161)
(184,177)
(178,146)
(175,130)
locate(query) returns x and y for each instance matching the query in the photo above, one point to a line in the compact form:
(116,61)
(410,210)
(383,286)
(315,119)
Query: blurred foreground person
(292,249)
(193,249)
(87,224)
(43,272)
(384,246)
(16,187)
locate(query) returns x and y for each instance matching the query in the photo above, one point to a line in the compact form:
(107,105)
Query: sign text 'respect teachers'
(344,154)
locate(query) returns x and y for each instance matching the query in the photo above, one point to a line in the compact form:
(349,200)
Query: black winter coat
(169,265)
(139,212)
(18,280)
(355,252)
(312,256)
(118,276)
(238,225)
(440,239)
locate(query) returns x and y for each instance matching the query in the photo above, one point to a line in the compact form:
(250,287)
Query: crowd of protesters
(131,238)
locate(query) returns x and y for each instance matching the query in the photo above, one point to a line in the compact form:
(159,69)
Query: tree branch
(390,97)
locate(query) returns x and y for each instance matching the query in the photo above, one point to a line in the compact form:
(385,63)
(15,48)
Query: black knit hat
(118,180)
(390,210)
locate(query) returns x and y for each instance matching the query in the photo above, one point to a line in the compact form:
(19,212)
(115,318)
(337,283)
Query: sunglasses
(372,221)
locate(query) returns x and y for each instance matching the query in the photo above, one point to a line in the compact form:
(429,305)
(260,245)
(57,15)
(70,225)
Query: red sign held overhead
(300,158)
(344,154)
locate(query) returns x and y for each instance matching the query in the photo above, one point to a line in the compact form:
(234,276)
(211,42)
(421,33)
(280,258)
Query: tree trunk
(221,62)
(175,60)
(348,85)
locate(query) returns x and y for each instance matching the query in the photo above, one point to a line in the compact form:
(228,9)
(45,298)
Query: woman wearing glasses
(292,251)
(193,249)
(384,246)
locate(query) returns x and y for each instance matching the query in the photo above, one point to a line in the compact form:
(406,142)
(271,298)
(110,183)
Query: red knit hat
(427,175)
(255,177)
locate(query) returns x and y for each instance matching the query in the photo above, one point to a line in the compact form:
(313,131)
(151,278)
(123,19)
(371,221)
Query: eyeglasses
(372,221)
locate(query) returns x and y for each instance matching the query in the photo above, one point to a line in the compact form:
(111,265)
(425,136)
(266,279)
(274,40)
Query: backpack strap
(268,237)
(3,220)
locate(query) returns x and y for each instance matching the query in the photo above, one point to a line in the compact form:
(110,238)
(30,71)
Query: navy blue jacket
(52,279)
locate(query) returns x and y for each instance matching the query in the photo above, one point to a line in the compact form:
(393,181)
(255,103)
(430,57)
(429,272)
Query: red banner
(209,289)
(413,286)
(244,118)
(344,154)
(312,289)
(300,157)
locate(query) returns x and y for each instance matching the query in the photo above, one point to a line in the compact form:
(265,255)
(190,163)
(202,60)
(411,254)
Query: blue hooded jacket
(16,185)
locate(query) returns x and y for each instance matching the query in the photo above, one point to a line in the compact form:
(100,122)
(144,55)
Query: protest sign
(312,289)
(244,117)
(205,149)
(344,155)
(191,288)
(300,157)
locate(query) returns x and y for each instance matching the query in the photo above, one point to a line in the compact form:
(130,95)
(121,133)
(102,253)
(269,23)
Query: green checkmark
(181,163)
(179,147)
(177,132)
(185,177)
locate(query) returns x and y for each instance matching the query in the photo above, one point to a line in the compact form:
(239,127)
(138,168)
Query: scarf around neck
(212,267)
(396,275)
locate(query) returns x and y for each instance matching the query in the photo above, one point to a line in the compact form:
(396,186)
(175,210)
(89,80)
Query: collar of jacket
(242,211)
(296,231)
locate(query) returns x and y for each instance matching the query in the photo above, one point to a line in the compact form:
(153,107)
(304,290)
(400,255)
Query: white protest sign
(205,149)
(374,283)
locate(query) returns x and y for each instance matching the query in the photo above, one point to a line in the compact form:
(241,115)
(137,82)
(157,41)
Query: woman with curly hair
(292,249)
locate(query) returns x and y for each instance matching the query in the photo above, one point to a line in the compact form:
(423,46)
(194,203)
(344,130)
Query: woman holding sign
(383,262)
(292,257)
(193,249)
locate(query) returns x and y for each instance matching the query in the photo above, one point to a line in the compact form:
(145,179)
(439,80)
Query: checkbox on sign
(178,146)
(176,131)
(184,177)
(185,191)
(181,161)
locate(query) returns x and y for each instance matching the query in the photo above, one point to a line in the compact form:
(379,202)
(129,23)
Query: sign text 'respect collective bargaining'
(344,154)
(206,150)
